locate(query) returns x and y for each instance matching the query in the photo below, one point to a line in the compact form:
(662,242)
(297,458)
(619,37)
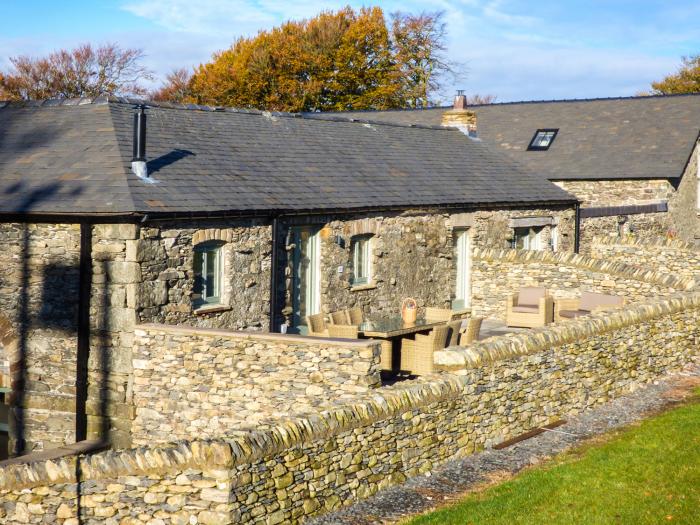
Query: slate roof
(614,138)
(74,157)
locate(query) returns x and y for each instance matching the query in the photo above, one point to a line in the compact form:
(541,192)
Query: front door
(306,278)
(464,262)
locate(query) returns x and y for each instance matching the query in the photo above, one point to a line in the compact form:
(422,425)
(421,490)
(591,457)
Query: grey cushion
(526,309)
(531,295)
(591,300)
(570,314)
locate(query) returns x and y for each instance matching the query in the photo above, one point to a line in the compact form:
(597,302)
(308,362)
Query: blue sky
(516,50)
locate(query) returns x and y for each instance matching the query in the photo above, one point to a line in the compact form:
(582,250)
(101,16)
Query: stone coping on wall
(661,242)
(244,447)
(584,262)
(457,359)
(142,329)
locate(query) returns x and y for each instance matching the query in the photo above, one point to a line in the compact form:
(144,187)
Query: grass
(649,473)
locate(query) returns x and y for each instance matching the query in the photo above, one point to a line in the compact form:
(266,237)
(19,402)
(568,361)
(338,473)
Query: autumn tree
(176,87)
(335,61)
(686,80)
(85,71)
(419,43)
(481,100)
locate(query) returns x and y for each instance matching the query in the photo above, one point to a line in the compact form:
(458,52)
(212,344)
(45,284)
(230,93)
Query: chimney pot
(460,102)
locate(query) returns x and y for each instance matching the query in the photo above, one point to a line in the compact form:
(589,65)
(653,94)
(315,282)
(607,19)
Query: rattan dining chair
(453,329)
(342,331)
(417,355)
(434,315)
(316,325)
(339,317)
(355,315)
(471,332)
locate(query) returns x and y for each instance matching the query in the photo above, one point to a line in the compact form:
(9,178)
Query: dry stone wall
(206,382)
(667,256)
(305,467)
(499,273)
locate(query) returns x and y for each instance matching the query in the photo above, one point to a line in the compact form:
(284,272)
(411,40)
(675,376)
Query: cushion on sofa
(527,309)
(591,300)
(571,314)
(531,295)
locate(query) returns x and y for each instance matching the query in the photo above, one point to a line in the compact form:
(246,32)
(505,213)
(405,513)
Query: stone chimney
(460,116)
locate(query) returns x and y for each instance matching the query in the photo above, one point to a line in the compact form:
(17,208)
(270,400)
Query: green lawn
(646,474)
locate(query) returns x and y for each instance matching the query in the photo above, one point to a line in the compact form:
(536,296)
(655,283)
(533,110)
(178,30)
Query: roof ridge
(207,108)
(516,102)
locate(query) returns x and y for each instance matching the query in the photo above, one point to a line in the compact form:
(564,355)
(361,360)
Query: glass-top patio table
(391,327)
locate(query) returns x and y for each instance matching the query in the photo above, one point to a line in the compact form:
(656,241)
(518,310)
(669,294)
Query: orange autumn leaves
(336,61)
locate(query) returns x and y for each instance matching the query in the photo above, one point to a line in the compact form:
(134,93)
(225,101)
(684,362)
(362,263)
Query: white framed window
(528,238)
(208,273)
(554,237)
(361,259)
(462,244)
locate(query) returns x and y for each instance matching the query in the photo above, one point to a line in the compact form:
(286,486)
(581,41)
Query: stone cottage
(632,162)
(112,215)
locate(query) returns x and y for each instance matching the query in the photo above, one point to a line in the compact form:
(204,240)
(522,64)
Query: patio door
(463,257)
(306,275)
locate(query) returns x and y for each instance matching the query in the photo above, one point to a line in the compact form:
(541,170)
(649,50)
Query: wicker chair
(339,317)
(355,316)
(343,331)
(433,314)
(417,355)
(529,308)
(589,303)
(316,325)
(471,332)
(453,332)
(460,314)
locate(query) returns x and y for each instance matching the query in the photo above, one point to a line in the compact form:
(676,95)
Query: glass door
(463,257)
(306,275)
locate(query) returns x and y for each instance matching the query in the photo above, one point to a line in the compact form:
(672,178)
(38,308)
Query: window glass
(528,238)
(543,139)
(207,273)
(361,260)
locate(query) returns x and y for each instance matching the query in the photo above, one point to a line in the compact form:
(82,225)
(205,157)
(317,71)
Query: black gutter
(577,229)
(273,275)
(131,217)
(83,352)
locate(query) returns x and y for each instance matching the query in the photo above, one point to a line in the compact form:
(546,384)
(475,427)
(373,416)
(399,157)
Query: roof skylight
(543,139)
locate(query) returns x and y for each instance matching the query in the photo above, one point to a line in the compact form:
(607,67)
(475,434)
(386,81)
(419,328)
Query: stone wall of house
(499,273)
(206,382)
(597,193)
(305,467)
(165,251)
(682,219)
(683,207)
(39,287)
(667,256)
(413,255)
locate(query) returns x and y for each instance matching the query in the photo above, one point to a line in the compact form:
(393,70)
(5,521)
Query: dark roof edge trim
(612,211)
(77,218)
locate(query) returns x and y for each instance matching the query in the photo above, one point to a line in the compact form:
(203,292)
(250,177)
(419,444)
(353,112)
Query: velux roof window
(542,140)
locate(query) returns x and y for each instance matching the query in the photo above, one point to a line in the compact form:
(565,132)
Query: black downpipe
(85,291)
(577,228)
(273,276)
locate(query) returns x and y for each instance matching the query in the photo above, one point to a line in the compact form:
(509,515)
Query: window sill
(211,309)
(361,287)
